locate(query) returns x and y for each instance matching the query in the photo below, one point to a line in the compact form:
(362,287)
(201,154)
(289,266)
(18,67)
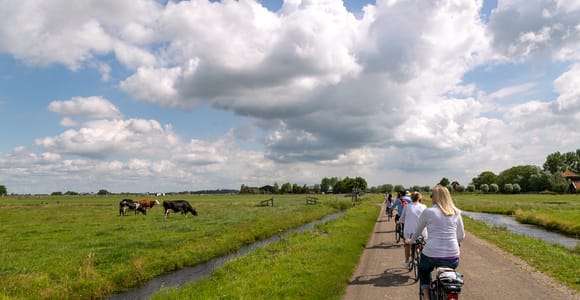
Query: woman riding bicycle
(445,228)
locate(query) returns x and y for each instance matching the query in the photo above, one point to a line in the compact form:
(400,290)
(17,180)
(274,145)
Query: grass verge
(314,264)
(556,261)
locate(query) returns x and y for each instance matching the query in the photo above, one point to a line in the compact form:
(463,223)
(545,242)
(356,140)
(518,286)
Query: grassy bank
(560,213)
(558,262)
(80,248)
(315,264)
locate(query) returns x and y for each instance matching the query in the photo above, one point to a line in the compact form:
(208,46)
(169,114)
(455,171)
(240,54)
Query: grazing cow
(128,204)
(147,203)
(178,206)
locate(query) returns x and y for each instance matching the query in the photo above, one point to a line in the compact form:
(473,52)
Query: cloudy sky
(143,95)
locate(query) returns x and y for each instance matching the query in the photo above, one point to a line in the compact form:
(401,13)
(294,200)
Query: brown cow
(147,203)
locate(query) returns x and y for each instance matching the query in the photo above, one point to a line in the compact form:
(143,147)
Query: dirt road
(489,273)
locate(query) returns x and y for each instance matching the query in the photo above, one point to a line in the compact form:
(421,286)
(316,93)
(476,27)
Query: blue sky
(147,96)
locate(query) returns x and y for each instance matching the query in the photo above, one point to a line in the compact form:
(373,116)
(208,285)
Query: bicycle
(446,285)
(389,214)
(415,258)
(399,232)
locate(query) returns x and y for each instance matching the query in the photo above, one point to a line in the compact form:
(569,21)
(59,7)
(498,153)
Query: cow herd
(141,206)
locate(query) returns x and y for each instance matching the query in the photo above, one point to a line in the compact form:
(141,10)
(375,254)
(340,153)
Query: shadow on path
(389,278)
(385,246)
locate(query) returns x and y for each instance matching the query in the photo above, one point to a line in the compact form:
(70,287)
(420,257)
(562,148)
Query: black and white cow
(128,204)
(178,206)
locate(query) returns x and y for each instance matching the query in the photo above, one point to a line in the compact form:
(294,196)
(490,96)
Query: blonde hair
(416,196)
(442,198)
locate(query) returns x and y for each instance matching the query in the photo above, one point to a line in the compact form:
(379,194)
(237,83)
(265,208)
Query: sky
(166,96)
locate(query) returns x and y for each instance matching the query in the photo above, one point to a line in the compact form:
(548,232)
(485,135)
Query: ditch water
(193,274)
(514,226)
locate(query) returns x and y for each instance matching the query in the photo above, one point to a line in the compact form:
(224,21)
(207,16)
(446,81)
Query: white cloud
(522,28)
(380,95)
(93,107)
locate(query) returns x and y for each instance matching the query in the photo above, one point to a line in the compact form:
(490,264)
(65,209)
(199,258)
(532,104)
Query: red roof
(569,173)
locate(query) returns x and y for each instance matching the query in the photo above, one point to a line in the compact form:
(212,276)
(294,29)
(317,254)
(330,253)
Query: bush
(508,188)
(471,188)
(493,188)
(517,188)
(484,188)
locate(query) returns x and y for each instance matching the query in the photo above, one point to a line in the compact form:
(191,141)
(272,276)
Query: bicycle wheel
(398,233)
(415,267)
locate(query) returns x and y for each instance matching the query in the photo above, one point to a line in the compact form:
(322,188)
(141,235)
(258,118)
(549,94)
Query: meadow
(78,247)
(560,213)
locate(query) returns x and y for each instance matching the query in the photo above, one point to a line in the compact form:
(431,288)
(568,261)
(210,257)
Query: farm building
(574,180)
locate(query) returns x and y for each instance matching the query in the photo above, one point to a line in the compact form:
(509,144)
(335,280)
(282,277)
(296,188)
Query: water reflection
(192,274)
(514,226)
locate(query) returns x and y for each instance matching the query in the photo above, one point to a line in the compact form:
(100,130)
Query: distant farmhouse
(267,189)
(574,180)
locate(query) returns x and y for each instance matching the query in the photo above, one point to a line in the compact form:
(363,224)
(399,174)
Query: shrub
(508,188)
(471,188)
(484,188)
(493,188)
(517,188)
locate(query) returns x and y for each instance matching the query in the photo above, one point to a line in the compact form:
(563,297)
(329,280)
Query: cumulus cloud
(536,28)
(378,92)
(93,107)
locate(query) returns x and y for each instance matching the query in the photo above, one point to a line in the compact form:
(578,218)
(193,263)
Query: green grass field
(79,247)
(559,213)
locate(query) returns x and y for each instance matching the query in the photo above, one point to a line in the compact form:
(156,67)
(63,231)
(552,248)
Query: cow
(128,204)
(147,203)
(178,206)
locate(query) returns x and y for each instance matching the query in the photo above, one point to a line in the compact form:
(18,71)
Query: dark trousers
(427,265)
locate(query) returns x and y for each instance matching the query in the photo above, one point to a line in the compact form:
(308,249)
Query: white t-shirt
(445,233)
(410,217)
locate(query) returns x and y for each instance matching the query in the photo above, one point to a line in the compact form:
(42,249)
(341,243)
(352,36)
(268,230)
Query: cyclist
(401,201)
(445,228)
(410,218)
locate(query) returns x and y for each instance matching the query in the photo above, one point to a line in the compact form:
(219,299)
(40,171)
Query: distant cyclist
(401,201)
(445,228)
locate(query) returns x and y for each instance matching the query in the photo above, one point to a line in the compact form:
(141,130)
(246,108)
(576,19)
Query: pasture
(559,213)
(78,247)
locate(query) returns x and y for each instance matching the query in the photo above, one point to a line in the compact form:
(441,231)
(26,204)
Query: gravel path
(489,272)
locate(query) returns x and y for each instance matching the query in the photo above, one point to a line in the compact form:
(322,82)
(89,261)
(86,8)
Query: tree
(3,190)
(471,188)
(276,188)
(558,183)
(444,182)
(518,174)
(103,192)
(554,163)
(557,162)
(399,188)
(493,188)
(539,182)
(486,177)
(286,188)
(517,188)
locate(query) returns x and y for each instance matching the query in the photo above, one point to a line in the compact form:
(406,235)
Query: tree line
(333,185)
